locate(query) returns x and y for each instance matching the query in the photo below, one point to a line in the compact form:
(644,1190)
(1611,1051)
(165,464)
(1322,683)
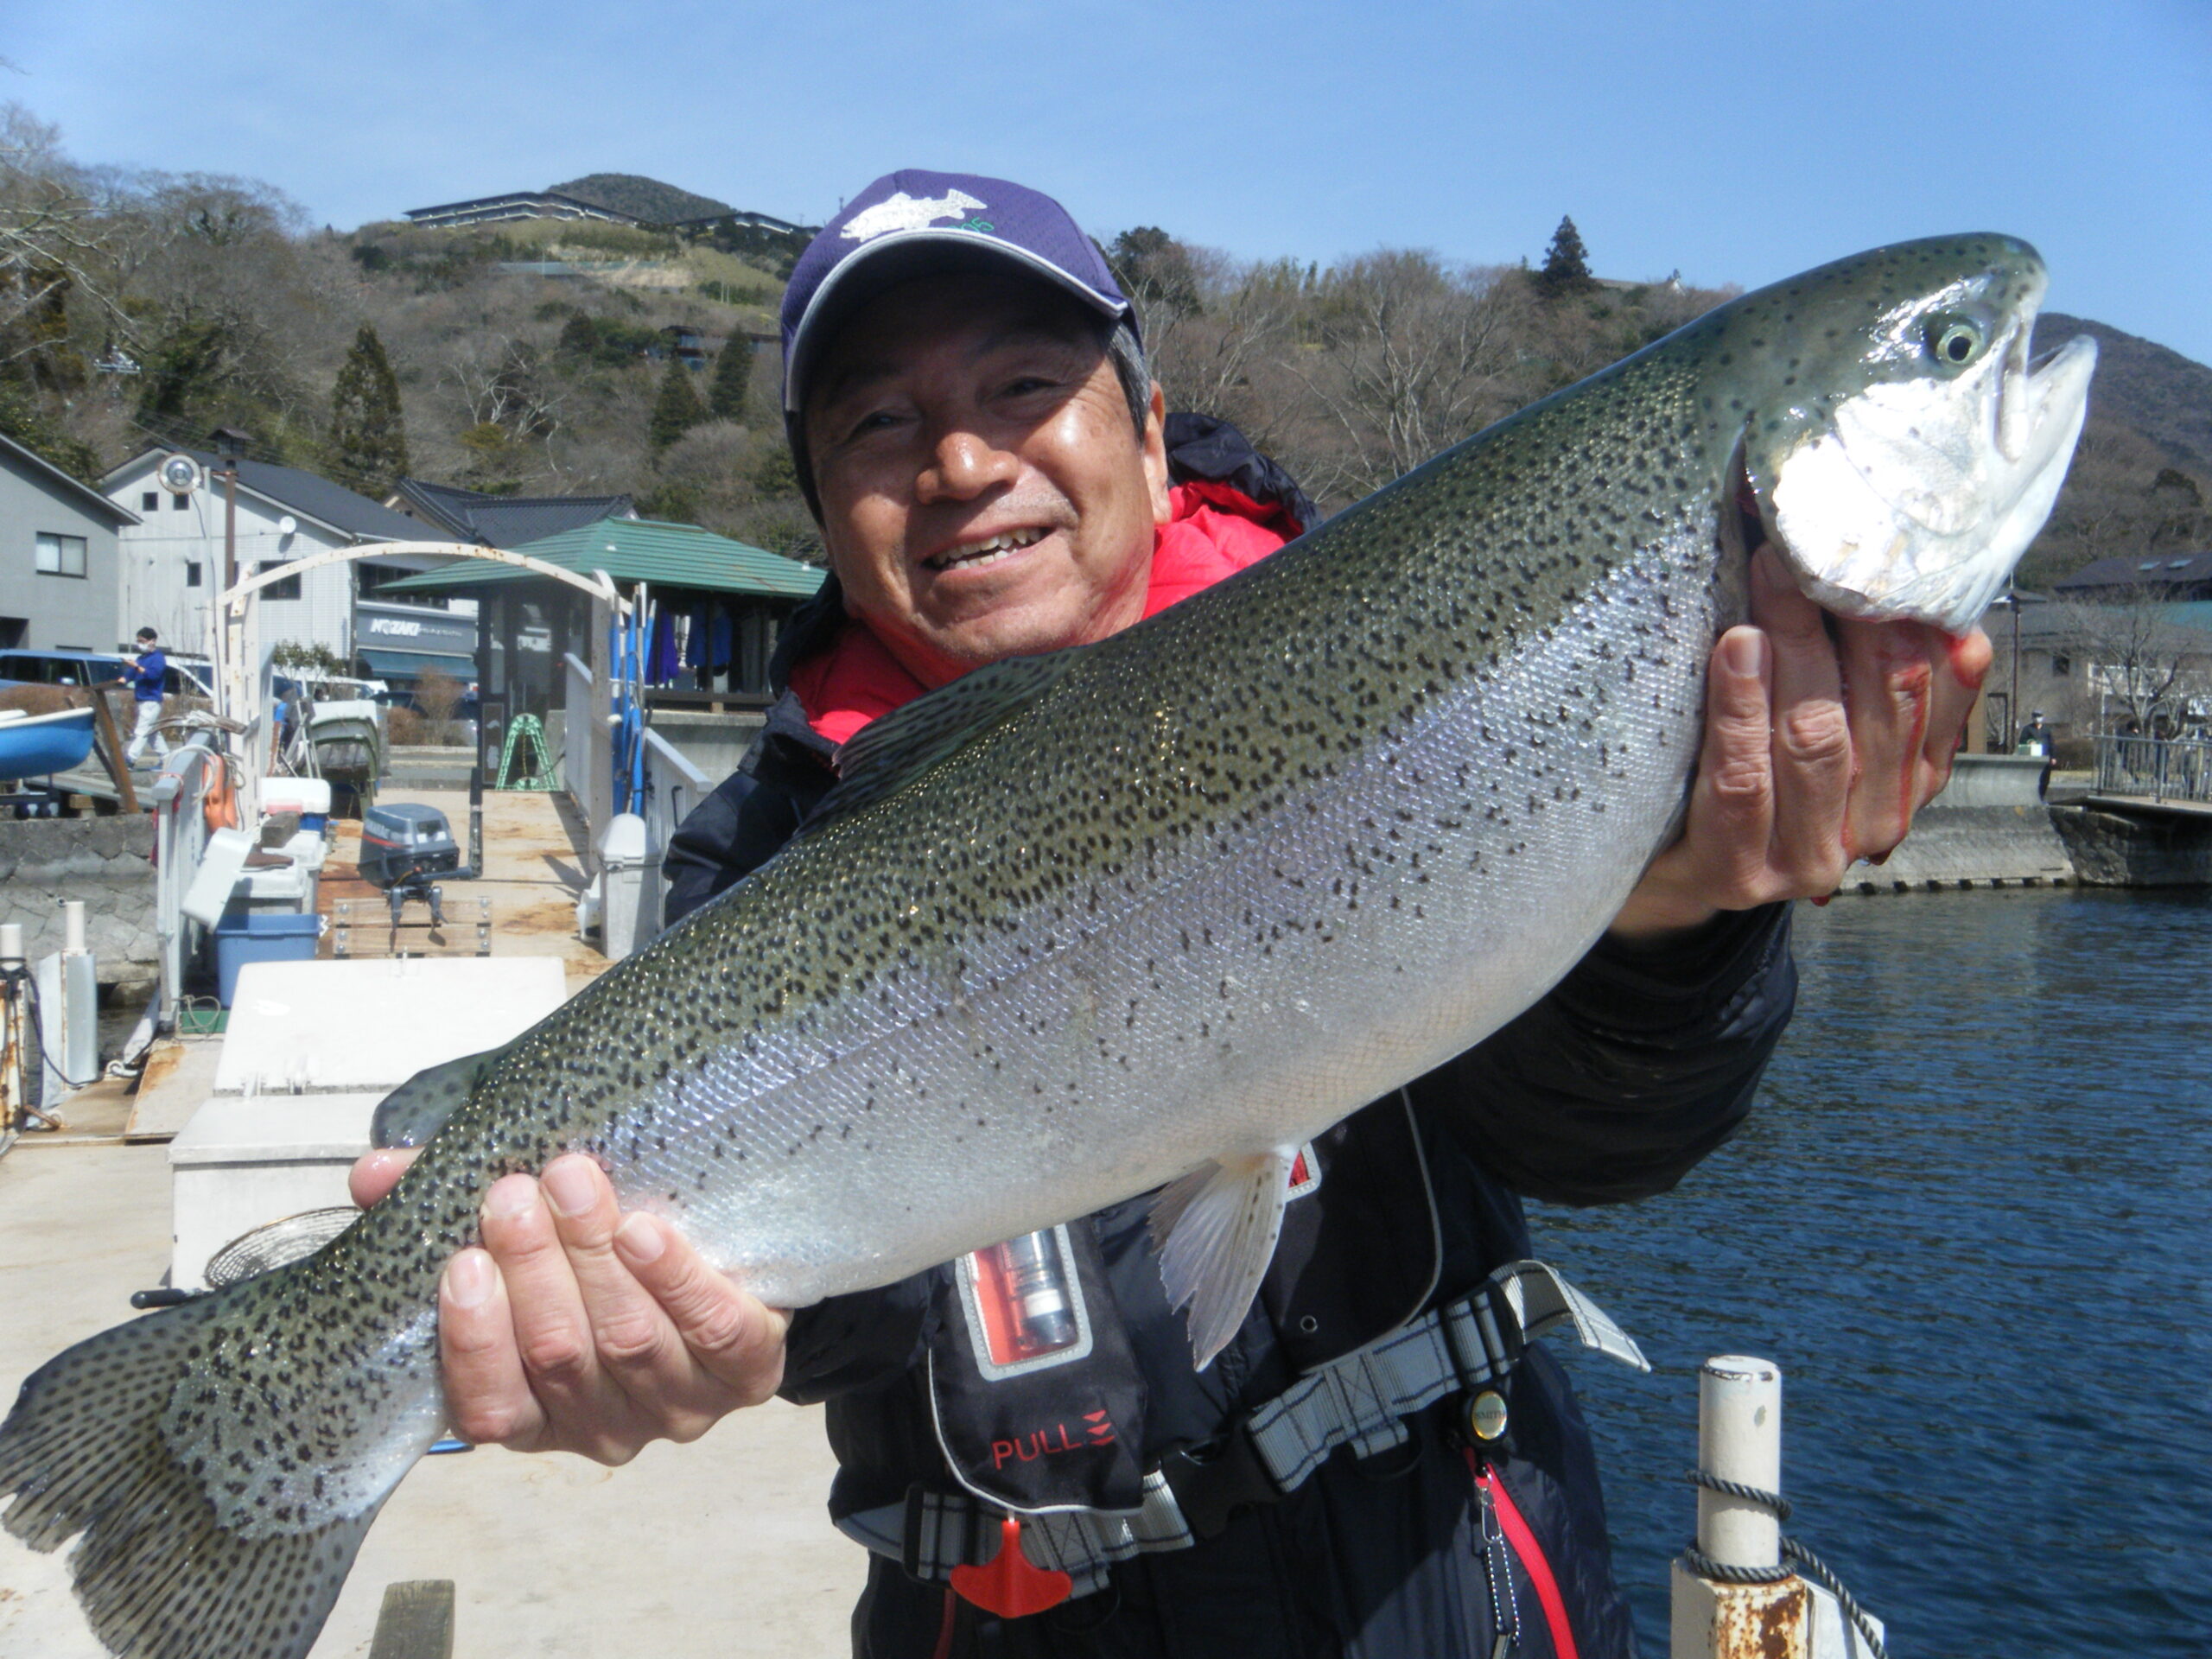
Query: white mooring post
(1782,1616)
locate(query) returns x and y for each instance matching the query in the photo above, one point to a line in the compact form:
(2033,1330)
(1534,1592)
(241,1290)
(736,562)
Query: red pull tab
(1007,1585)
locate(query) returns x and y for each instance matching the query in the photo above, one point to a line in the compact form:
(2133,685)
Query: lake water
(1970,1219)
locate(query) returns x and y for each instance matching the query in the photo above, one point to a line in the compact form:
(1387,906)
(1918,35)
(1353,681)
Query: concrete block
(1993,780)
(1953,846)
(2117,849)
(240,1164)
(106,863)
(333,1027)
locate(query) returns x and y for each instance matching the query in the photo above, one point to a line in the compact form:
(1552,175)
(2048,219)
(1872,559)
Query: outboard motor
(402,846)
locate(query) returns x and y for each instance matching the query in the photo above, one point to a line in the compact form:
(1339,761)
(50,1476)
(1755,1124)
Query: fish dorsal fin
(1216,1232)
(892,750)
(418,1108)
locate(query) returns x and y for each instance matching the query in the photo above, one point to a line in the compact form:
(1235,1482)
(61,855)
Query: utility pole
(2012,702)
(230,443)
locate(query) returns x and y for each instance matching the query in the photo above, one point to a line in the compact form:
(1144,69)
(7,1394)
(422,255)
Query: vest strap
(1362,1400)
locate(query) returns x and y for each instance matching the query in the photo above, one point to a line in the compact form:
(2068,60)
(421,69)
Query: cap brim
(901,256)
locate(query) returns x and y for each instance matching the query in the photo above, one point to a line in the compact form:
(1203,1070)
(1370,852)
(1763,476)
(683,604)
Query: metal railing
(2160,768)
(177,795)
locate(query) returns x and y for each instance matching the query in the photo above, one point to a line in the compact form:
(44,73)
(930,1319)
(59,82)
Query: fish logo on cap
(900,211)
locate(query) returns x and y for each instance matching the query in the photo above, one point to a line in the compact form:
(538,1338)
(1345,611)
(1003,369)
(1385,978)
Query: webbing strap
(1362,1401)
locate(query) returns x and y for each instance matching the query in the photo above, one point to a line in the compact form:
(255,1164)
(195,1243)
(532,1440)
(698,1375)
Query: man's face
(984,492)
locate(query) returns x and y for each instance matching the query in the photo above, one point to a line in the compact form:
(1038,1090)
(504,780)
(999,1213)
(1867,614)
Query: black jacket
(1610,1088)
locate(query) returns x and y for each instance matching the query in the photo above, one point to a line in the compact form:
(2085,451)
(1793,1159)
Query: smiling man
(1023,1442)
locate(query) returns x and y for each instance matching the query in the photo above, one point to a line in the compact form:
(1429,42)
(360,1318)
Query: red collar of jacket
(1212,532)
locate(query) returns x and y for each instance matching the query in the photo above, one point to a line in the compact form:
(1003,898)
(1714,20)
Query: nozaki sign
(407,629)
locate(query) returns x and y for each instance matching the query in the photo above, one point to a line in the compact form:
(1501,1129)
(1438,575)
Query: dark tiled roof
(509,520)
(2143,570)
(306,493)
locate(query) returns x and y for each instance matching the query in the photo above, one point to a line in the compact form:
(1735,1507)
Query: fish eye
(1956,341)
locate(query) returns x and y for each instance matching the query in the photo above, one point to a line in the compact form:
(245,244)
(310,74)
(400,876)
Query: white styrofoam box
(337,1027)
(302,795)
(242,1164)
(292,885)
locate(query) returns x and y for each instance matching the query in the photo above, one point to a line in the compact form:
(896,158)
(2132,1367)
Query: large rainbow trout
(1147,914)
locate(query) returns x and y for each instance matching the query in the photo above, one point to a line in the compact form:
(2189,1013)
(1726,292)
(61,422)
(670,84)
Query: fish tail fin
(161,1572)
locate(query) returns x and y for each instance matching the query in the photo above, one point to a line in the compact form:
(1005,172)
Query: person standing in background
(144,673)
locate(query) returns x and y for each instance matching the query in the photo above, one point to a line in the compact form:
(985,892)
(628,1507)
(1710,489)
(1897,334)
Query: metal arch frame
(602,588)
(234,602)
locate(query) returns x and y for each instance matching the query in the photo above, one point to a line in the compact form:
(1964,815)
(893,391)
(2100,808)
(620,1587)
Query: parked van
(21,667)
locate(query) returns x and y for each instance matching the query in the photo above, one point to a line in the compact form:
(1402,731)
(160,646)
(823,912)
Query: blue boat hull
(45,743)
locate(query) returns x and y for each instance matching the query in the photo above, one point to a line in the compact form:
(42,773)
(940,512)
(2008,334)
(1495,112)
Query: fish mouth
(1919,493)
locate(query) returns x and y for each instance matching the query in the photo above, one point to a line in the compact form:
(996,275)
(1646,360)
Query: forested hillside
(533,356)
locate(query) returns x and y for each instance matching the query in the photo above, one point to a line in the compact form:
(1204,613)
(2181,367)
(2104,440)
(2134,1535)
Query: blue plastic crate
(245,936)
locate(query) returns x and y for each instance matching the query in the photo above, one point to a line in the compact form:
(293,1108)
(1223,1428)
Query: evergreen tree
(729,396)
(368,444)
(1566,266)
(579,338)
(678,409)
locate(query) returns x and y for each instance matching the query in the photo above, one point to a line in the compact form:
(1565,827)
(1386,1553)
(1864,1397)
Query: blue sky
(1738,142)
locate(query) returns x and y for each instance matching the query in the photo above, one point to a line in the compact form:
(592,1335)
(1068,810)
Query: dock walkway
(718,1550)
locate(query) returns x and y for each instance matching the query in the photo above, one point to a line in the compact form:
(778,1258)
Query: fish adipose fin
(895,749)
(1216,1232)
(159,1574)
(418,1108)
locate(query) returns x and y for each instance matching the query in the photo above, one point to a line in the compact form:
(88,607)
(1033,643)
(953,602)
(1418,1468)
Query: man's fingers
(1891,669)
(1811,733)
(1965,663)
(551,1331)
(373,1177)
(731,1334)
(488,1398)
(628,1328)
(1734,814)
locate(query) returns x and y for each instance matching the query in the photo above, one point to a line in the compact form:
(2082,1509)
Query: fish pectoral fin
(418,1108)
(1216,1232)
(894,749)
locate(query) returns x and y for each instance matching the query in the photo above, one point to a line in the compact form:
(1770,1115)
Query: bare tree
(2143,671)
(1219,356)
(1415,355)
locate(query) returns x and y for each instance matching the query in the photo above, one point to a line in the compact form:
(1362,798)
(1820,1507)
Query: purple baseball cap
(912,222)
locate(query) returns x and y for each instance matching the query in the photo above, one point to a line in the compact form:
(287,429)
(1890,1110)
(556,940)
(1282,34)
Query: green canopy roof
(637,550)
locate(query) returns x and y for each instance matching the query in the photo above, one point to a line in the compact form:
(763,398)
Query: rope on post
(1811,1565)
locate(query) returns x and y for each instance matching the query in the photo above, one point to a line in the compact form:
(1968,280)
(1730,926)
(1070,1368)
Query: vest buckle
(1211,1483)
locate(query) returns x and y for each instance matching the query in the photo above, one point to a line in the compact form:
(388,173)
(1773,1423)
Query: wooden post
(119,764)
(416,1621)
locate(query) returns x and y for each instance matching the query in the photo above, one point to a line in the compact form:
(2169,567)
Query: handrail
(2159,768)
(692,775)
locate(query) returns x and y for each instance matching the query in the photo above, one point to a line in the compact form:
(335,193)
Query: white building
(172,557)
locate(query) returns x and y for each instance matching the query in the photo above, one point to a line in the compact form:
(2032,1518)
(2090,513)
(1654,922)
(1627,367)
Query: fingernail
(469,1279)
(570,1187)
(639,1239)
(1744,652)
(512,1198)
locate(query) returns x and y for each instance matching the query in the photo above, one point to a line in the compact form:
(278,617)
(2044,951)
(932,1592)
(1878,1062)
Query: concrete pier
(1988,829)
(718,1550)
